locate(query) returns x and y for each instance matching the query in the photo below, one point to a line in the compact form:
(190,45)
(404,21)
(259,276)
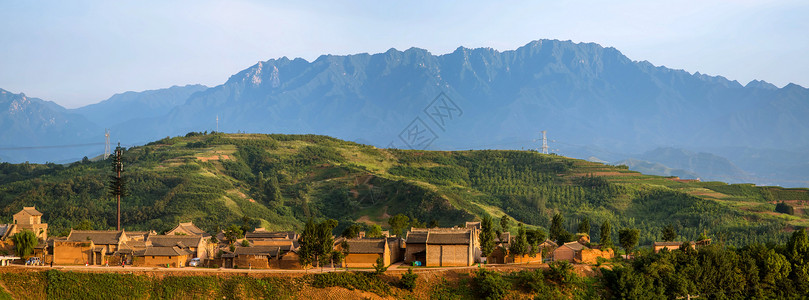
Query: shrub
(352,280)
(491,285)
(561,272)
(409,279)
(379,266)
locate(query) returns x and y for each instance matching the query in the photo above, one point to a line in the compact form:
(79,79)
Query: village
(186,245)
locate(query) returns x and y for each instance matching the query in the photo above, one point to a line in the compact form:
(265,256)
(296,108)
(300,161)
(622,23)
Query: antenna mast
(106,143)
(217,123)
(544,142)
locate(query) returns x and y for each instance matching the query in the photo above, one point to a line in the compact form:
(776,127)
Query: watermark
(418,135)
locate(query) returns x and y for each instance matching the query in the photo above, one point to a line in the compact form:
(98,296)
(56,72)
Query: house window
(152,257)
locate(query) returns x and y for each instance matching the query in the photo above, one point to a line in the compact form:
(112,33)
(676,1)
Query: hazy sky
(81,52)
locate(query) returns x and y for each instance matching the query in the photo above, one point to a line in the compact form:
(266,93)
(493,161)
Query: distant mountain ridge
(586,96)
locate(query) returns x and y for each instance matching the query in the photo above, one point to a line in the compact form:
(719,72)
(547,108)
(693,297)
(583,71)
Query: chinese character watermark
(418,135)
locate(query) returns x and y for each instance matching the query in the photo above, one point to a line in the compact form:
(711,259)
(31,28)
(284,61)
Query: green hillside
(279,181)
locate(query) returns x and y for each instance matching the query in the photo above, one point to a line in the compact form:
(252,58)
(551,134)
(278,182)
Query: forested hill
(279,181)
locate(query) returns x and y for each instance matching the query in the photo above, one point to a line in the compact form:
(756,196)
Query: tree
(535,238)
(505,223)
(409,279)
(486,236)
(352,231)
(584,226)
(379,266)
(520,244)
(397,224)
(669,233)
(308,243)
(433,224)
(325,241)
(272,191)
(606,235)
(233,233)
(628,238)
(374,231)
(24,242)
(556,231)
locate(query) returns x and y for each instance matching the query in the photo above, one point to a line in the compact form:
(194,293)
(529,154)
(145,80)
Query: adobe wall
(361,260)
(590,256)
(251,261)
(524,259)
(160,261)
(289,261)
(448,255)
(72,253)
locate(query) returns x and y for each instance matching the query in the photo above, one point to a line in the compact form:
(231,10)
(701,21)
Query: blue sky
(80,52)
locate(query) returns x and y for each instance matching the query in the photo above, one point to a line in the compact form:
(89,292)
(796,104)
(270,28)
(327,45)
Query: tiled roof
(575,246)
(271,251)
(449,238)
(99,237)
(267,235)
(175,240)
(656,244)
(188,228)
(31,211)
(417,237)
(369,245)
(164,251)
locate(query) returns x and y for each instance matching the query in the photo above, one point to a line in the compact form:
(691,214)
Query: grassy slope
(213,181)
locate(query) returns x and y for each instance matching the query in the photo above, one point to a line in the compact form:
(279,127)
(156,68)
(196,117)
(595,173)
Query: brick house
(257,257)
(104,244)
(162,257)
(31,219)
(196,245)
(567,251)
(441,246)
(363,252)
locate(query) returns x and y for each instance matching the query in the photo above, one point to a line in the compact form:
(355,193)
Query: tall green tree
(669,233)
(628,238)
(606,235)
(557,230)
(584,226)
(233,232)
(398,223)
(520,244)
(24,242)
(316,242)
(486,236)
(505,223)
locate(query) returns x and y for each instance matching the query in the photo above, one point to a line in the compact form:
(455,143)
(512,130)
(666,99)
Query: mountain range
(592,101)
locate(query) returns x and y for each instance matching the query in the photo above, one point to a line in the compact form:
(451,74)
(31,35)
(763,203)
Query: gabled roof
(271,251)
(575,246)
(165,251)
(270,235)
(188,228)
(142,235)
(175,240)
(548,243)
(417,237)
(31,211)
(6,230)
(366,245)
(449,238)
(99,237)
